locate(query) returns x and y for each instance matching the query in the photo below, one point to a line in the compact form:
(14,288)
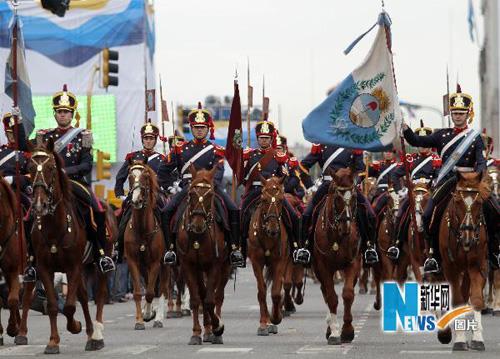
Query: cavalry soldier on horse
(74,145)
(492,164)
(333,158)
(148,155)
(203,154)
(293,186)
(461,149)
(424,167)
(266,161)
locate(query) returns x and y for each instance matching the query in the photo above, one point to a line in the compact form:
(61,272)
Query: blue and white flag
(24,100)
(363,111)
(471,19)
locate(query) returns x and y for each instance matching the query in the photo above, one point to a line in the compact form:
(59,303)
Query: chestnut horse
(203,256)
(268,251)
(10,256)
(59,243)
(463,247)
(337,248)
(144,244)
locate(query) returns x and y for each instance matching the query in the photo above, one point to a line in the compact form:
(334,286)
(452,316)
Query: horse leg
(454,278)
(48,283)
(377,278)
(496,285)
(219,298)
(191,277)
(209,304)
(258,270)
(298,283)
(153,272)
(289,307)
(160,313)
(276,288)
(363,281)
(13,303)
(401,270)
(73,326)
(91,330)
(136,283)
(477,282)
(350,276)
(21,338)
(325,277)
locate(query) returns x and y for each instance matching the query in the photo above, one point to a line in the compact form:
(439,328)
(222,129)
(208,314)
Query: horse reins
(39,181)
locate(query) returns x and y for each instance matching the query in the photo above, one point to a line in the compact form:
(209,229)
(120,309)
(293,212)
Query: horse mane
(61,175)
(153,182)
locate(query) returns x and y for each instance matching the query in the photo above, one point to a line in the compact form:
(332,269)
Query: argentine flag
(363,111)
(25,103)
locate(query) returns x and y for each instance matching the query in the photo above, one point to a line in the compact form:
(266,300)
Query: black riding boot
(292,226)
(121,236)
(431,264)
(236,258)
(303,254)
(29,275)
(367,233)
(169,257)
(104,262)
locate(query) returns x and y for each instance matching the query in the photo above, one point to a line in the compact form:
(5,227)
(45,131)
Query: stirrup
(29,275)
(393,253)
(431,266)
(301,256)
(371,256)
(106,264)
(236,259)
(170,258)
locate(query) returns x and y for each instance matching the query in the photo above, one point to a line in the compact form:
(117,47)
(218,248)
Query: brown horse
(144,244)
(10,256)
(203,257)
(59,242)
(463,247)
(337,247)
(268,249)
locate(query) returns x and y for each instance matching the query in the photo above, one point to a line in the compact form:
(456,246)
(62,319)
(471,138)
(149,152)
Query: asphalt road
(301,335)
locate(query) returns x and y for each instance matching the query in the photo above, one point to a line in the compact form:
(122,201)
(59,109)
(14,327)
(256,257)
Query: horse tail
(268,274)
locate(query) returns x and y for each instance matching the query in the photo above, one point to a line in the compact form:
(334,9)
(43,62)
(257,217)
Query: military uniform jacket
(274,167)
(293,184)
(378,169)
(152,158)
(178,160)
(77,154)
(8,167)
(428,170)
(473,156)
(320,154)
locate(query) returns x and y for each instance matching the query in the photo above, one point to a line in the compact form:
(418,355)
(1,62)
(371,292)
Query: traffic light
(103,166)
(109,66)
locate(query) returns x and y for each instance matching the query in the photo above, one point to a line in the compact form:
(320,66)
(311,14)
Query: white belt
(327,178)
(257,183)
(383,185)
(187,175)
(421,180)
(464,169)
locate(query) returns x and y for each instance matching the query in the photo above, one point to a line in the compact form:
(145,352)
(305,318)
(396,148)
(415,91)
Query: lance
(447,104)
(16,134)
(249,104)
(164,117)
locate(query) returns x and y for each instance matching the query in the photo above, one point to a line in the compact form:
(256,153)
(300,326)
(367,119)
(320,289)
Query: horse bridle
(467,224)
(39,180)
(137,185)
(201,190)
(267,214)
(338,218)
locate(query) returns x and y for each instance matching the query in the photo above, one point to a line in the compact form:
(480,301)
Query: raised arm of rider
(429,141)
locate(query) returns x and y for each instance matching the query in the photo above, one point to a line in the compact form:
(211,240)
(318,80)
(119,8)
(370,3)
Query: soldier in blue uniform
(203,154)
(293,185)
(266,161)
(460,148)
(424,168)
(148,155)
(335,158)
(383,172)
(74,145)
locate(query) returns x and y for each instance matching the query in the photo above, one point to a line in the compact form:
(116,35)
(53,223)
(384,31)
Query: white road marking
(131,350)
(111,321)
(307,349)
(23,350)
(421,352)
(225,350)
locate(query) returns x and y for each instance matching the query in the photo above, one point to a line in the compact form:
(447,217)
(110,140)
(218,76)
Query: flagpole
(16,134)
(448,93)
(163,120)
(249,105)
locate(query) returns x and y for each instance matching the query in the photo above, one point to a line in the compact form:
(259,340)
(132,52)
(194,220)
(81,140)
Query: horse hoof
(376,306)
(93,345)
(328,333)
(496,313)
(334,341)
(139,326)
(52,349)
(477,345)
(157,324)
(444,336)
(174,315)
(1,342)
(219,331)
(195,340)
(362,290)
(217,340)
(286,313)
(208,338)
(299,300)
(76,329)
(185,313)
(487,311)
(262,332)
(150,318)
(460,347)
(273,329)
(12,330)
(347,336)
(20,340)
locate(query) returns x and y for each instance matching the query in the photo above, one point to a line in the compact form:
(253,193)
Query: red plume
(459,89)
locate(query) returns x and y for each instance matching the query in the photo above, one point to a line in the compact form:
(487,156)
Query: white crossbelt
(333,156)
(454,139)
(194,158)
(150,158)
(386,171)
(419,167)
(8,157)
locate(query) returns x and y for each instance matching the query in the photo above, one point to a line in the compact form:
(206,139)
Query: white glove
(123,198)
(8,179)
(171,190)
(402,193)
(16,112)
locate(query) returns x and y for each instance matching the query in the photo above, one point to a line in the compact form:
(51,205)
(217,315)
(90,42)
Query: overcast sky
(298,46)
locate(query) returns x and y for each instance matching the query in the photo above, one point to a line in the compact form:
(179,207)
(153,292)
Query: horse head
(342,194)
(421,194)
(50,184)
(467,208)
(271,202)
(201,195)
(143,184)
